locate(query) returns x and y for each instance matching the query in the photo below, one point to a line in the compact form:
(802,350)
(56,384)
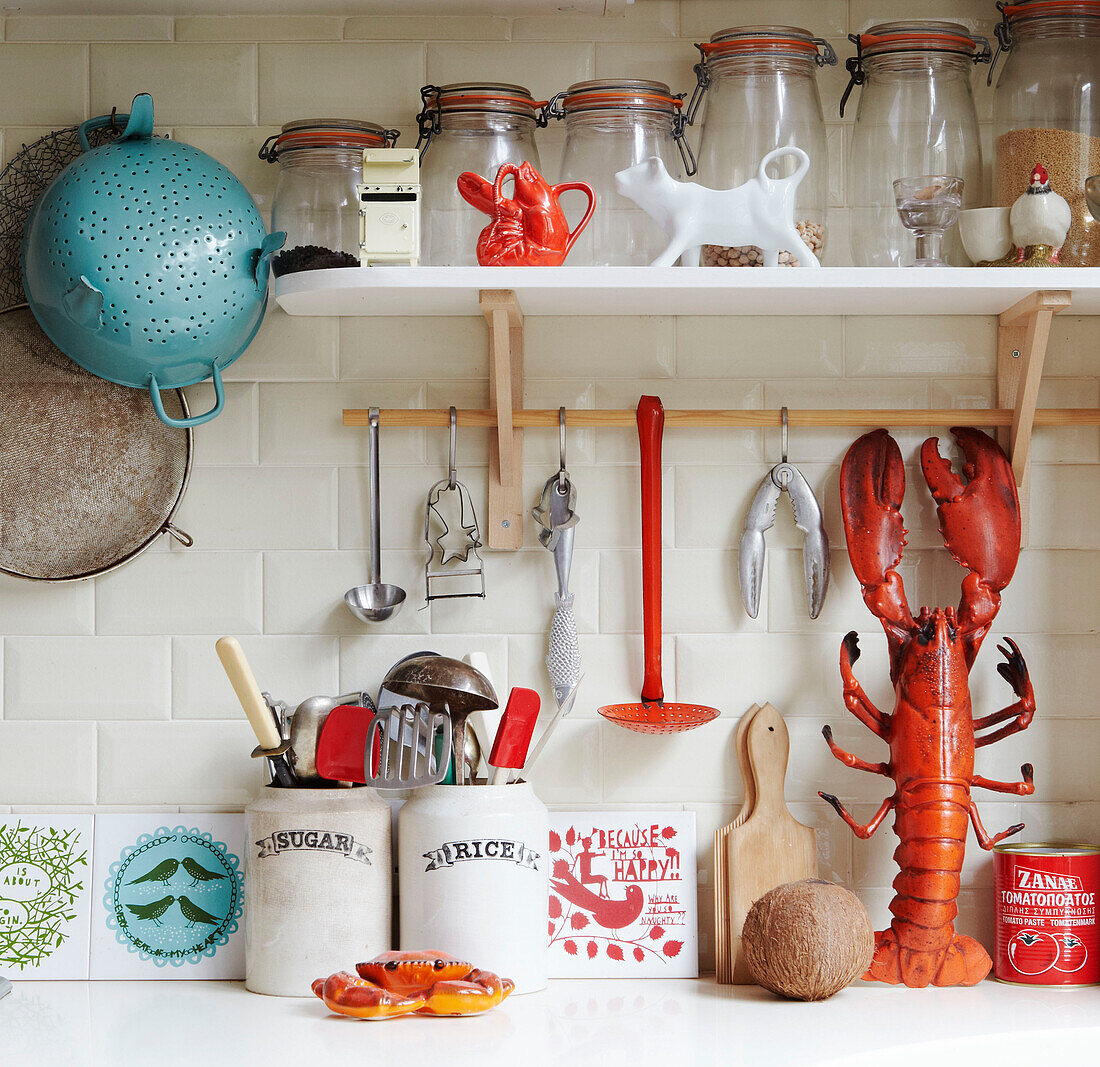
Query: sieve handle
(192,420)
(139,122)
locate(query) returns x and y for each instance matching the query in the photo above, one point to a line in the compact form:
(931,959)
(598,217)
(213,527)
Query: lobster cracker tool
(452,534)
(786,478)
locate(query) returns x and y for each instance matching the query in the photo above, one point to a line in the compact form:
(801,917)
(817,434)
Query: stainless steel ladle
(375,601)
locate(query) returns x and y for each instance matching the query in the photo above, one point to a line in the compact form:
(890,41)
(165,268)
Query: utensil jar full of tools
(319,886)
(474,877)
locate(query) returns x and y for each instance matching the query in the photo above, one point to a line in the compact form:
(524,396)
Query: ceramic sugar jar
(318,886)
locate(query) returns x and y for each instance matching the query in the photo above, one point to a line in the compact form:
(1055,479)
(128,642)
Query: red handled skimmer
(653,715)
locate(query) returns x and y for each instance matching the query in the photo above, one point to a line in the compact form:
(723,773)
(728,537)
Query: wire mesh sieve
(89,476)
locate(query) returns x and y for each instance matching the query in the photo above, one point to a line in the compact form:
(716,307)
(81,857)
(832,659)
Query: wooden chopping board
(771,846)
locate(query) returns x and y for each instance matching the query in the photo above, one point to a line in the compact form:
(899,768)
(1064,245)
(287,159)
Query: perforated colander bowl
(146,262)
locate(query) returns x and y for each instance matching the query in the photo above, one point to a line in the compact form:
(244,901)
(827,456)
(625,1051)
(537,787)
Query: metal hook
(783,446)
(452,472)
(563,476)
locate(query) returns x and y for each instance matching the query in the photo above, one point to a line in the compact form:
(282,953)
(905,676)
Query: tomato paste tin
(1046,914)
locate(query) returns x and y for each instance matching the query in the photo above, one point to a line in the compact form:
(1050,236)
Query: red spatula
(342,745)
(513,738)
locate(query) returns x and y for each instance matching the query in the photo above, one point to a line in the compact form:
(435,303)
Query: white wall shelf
(405,291)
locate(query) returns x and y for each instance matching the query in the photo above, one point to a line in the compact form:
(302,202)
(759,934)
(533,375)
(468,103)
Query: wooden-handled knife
(255,707)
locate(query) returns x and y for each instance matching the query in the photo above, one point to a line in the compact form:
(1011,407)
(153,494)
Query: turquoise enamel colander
(146,262)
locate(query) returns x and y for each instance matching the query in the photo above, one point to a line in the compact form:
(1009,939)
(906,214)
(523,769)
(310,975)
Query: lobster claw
(872,485)
(979,518)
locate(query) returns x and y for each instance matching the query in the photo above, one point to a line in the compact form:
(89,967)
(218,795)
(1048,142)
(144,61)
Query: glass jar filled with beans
(759,84)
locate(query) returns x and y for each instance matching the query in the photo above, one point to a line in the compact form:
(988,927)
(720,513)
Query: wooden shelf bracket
(1022,335)
(504,528)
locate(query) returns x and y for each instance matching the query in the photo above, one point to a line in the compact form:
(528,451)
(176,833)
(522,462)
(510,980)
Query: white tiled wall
(112,695)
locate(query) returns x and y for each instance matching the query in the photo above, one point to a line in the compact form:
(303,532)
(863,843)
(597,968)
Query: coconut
(807,940)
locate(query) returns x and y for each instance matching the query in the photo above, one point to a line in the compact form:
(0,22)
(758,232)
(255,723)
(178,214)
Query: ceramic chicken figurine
(1040,220)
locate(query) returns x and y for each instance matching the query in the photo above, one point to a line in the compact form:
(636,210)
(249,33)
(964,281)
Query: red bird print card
(623,900)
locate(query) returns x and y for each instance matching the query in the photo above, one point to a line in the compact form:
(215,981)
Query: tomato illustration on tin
(1071,954)
(1033,952)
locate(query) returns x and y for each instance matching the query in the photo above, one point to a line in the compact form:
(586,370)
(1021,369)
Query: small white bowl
(985,233)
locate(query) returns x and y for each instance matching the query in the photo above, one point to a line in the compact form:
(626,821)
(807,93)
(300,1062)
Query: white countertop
(572,1024)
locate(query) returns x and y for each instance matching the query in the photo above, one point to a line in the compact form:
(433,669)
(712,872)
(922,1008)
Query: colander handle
(139,122)
(192,420)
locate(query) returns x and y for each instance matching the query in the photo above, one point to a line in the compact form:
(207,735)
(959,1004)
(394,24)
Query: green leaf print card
(169,897)
(45,895)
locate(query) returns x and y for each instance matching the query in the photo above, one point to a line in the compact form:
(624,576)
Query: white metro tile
(303,423)
(944,346)
(542,68)
(714,346)
(213,84)
(257,28)
(231,437)
(655,19)
(599,347)
(402,495)
(57,100)
(45,607)
(48,763)
(426,28)
(1065,507)
(86,678)
(421,347)
(379,82)
(668,61)
(191,762)
(88,28)
(290,348)
(261,507)
(1076,444)
(700,18)
(289,668)
(182,592)
(304,592)
(799,675)
(1071,351)
(569,769)
(520,589)
(700,593)
(1052,592)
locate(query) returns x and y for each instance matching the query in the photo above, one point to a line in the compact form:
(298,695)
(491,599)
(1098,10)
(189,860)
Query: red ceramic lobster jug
(528,230)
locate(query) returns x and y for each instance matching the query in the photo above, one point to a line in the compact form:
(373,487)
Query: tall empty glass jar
(611,125)
(759,84)
(316,201)
(1047,110)
(475,126)
(916,116)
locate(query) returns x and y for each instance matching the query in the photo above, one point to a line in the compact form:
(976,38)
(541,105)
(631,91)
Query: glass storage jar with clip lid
(468,126)
(760,88)
(610,125)
(316,200)
(916,116)
(1046,109)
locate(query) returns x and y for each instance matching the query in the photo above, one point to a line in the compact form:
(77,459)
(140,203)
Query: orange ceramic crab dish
(412,983)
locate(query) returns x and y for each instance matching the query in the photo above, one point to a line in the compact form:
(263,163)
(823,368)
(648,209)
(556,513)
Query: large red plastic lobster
(529,229)
(931,732)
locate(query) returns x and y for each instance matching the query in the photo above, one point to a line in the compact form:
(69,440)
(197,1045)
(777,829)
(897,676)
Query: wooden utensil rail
(1022,334)
(623,418)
